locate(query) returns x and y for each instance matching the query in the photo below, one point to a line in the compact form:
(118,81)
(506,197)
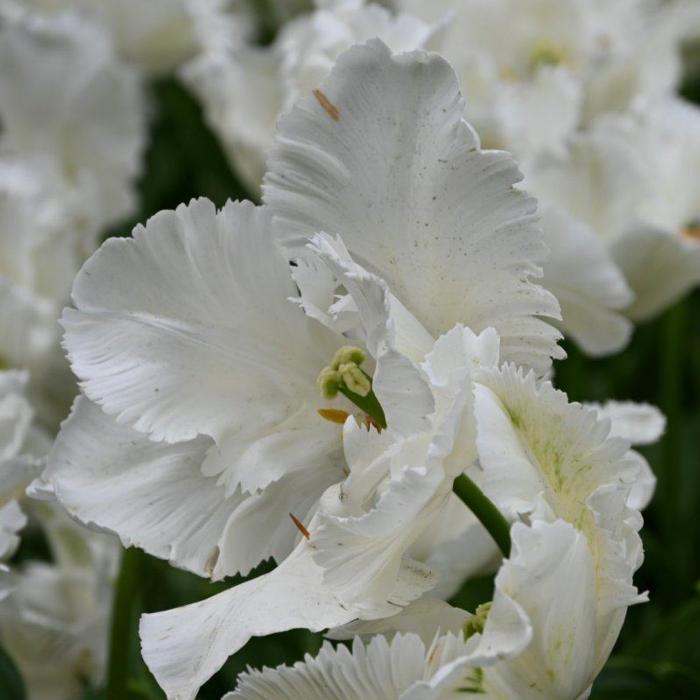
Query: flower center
(345,376)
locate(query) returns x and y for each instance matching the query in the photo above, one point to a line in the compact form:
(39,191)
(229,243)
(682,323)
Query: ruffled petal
(382,157)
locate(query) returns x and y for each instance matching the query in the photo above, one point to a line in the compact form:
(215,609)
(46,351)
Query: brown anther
(300,526)
(331,109)
(371,423)
(692,231)
(334,415)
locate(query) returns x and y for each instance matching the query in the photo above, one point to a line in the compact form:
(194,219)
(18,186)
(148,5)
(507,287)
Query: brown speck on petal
(300,526)
(331,109)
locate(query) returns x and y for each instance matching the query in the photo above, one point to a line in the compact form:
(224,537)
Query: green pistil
(486,512)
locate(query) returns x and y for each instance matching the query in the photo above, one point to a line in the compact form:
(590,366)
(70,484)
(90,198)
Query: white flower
(627,178)
(60,612)
(64,96)
(12,520)
(205,315)
(204,355)
(273,78)
(543,636)
(156,36)
(589,286)
(43,242)
(561,62)
(23,444)
(640,424)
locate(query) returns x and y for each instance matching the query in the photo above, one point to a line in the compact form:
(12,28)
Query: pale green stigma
(345,372)
(476,624)
(355,379)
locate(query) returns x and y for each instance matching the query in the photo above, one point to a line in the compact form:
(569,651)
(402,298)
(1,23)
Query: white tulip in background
(272,78)
(55,622)
(627,179)
(70,148)
(559,69)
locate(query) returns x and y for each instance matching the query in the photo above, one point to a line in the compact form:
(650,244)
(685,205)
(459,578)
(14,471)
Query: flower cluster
(353,377)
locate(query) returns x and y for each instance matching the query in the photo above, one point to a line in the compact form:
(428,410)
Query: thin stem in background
(121,633)
(671,395)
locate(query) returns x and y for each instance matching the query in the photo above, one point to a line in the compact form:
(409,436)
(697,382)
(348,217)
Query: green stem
(369,404)
(122,622)
(267,20)
(670,478)
(485,511)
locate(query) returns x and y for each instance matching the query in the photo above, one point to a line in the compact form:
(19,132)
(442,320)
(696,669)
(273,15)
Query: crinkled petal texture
(552,576)
(538,641)
(186,329)
(541,639)
(538,450)
(381,669)
(185,646)
(640,424)
(545,458)
(402,391)
(591,289)
(204,373)
(152,494)
(382,157)
(399,488)
(406,668)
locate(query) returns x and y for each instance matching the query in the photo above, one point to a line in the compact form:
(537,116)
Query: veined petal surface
(382,157)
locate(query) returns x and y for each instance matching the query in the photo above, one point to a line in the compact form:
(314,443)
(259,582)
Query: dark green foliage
(11,684)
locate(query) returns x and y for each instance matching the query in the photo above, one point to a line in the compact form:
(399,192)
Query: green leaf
(11,683)
(633,679)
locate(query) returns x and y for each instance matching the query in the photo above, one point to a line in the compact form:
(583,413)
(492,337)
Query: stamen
(300,526)
(329,382)
(345,376)
(355,379)
(334,415)
(692,230)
